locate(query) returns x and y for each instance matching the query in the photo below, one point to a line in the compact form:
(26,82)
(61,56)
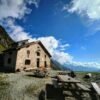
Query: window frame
(38,53)
(27,61)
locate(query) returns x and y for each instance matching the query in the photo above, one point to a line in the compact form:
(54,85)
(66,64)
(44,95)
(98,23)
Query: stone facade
(10,60)
(29,56)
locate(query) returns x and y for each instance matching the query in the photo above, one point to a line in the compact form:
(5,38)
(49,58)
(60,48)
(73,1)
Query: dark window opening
(45,64)
(27,62)
(45,56)
(23,43)
(38,62)
(28,53)
(38,47)
(9,60)
(27,46)
(38,53)
(10,53)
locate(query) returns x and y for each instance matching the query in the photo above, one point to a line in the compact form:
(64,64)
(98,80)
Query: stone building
(24,55)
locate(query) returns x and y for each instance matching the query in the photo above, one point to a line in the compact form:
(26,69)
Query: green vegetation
(4,89)
(31,89)
(3,83)
(5,39)
(23,86)
(2,48)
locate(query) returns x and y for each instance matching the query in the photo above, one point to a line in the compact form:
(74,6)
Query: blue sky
(68,29)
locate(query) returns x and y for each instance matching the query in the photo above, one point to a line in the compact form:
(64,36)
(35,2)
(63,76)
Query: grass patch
(3,83)
(4,89)
(31,89)
(94,78)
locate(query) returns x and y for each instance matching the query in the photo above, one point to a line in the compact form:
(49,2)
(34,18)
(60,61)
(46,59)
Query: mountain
(68,66)
(81,68)
(57,66)
(5,39)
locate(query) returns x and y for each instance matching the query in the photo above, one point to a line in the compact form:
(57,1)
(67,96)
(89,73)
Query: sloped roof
(44,48)
(28,44)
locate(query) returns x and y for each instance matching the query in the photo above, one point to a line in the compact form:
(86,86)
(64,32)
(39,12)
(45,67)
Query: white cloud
(89,8)
(65,45)
(62,57)
(15,8)
(15,31)
(10,10)
(54,46)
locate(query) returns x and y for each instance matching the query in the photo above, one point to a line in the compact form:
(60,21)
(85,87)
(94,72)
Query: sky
(69,29)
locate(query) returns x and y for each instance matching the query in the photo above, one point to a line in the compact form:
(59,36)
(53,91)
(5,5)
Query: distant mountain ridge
(5,39)
(68,66)
(82,68)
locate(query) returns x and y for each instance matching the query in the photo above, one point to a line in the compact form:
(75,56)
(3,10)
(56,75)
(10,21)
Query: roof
(44,48)
(28,44)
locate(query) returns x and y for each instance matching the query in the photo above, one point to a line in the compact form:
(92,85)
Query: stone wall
(30,53)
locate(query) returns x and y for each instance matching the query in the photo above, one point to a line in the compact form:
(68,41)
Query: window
(27,46)
(28,53)
(38,53)
(45,56)
(27,62)
(10,53)
(9,60)
(38,62)
(45,64)
(38,47)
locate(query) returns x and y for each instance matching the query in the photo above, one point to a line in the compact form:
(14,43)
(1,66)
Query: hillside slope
(57,66)
(5,39)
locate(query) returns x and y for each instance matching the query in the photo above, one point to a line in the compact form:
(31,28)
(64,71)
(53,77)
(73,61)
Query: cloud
(89,8)
(54,46)
(10,10)
(64,46)
(15,31)
(62,57)
(15,8)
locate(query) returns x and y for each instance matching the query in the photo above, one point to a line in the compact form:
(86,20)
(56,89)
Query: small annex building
(25,55)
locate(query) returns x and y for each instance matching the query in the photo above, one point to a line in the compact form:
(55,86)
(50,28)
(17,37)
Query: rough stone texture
(27,53)
(22,56)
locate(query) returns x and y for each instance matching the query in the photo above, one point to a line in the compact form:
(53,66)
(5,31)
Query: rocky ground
(21,86)
(24,86)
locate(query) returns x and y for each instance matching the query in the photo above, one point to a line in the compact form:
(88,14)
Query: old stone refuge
(25,55)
